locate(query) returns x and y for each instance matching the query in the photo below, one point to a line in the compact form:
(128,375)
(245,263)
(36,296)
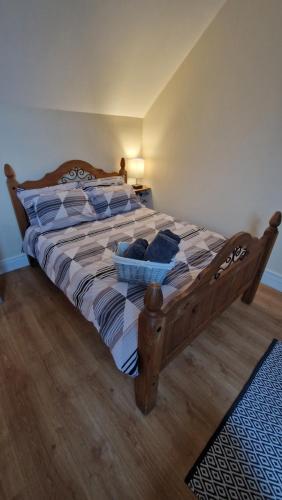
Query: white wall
(93,55)
(36,141)
(213,138)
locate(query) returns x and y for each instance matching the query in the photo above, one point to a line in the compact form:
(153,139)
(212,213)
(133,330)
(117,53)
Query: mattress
(78,260)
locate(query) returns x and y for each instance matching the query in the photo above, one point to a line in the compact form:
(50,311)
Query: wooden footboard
(165,330)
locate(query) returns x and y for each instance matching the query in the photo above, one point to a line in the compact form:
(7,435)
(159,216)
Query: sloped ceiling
(98,56)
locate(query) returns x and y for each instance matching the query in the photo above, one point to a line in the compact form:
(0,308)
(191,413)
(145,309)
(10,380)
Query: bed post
(150,344)
(122,170)
(21,216)
(268,239)
(12,184)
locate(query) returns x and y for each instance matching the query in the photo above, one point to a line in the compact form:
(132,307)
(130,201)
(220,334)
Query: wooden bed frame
(165,331)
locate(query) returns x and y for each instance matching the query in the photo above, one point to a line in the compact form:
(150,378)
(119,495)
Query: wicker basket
(139,271)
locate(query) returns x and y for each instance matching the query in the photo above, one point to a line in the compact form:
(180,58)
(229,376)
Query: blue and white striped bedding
(29,196)
(78,260)
(29,199)
(63,209)
(113,200)
(116,180)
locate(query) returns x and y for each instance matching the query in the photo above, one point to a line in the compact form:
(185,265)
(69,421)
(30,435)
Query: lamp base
(137,186)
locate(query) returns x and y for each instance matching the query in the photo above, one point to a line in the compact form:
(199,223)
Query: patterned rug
(243,459)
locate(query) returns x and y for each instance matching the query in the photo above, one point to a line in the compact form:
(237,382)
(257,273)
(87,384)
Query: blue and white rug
(243,459)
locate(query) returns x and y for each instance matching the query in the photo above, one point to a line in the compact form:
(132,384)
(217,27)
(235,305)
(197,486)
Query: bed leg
(268,238)
(32,261)
(150,347)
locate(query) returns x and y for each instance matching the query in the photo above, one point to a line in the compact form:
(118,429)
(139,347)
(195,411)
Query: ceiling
(97,56)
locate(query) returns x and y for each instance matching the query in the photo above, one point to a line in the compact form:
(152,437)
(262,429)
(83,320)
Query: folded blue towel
(136,250)
(172,235)
(163,247)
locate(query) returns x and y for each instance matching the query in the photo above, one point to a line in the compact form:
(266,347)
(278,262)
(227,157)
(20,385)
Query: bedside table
(144,195)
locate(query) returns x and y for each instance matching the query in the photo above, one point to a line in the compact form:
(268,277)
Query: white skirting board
(270,278)
(12,263)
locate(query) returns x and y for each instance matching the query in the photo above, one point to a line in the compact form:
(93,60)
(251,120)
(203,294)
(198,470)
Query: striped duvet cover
(78,260)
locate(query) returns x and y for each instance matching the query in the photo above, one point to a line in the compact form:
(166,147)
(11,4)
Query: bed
(144,327)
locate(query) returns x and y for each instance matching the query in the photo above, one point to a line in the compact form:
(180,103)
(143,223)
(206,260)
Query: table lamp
(135,169)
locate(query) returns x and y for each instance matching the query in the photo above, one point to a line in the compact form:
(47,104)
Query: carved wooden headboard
(73,170)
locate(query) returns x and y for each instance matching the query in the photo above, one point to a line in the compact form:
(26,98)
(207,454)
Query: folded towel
(162,249)
(172,235)
(136,250)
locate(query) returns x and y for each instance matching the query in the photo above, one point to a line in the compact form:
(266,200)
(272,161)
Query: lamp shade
(135,167)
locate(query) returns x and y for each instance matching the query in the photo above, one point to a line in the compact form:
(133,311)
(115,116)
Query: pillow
(108,189)
(113,200)
(63,209)
(116,180)
(28,196)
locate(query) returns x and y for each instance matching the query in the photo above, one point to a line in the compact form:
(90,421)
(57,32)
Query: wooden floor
(69,428)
